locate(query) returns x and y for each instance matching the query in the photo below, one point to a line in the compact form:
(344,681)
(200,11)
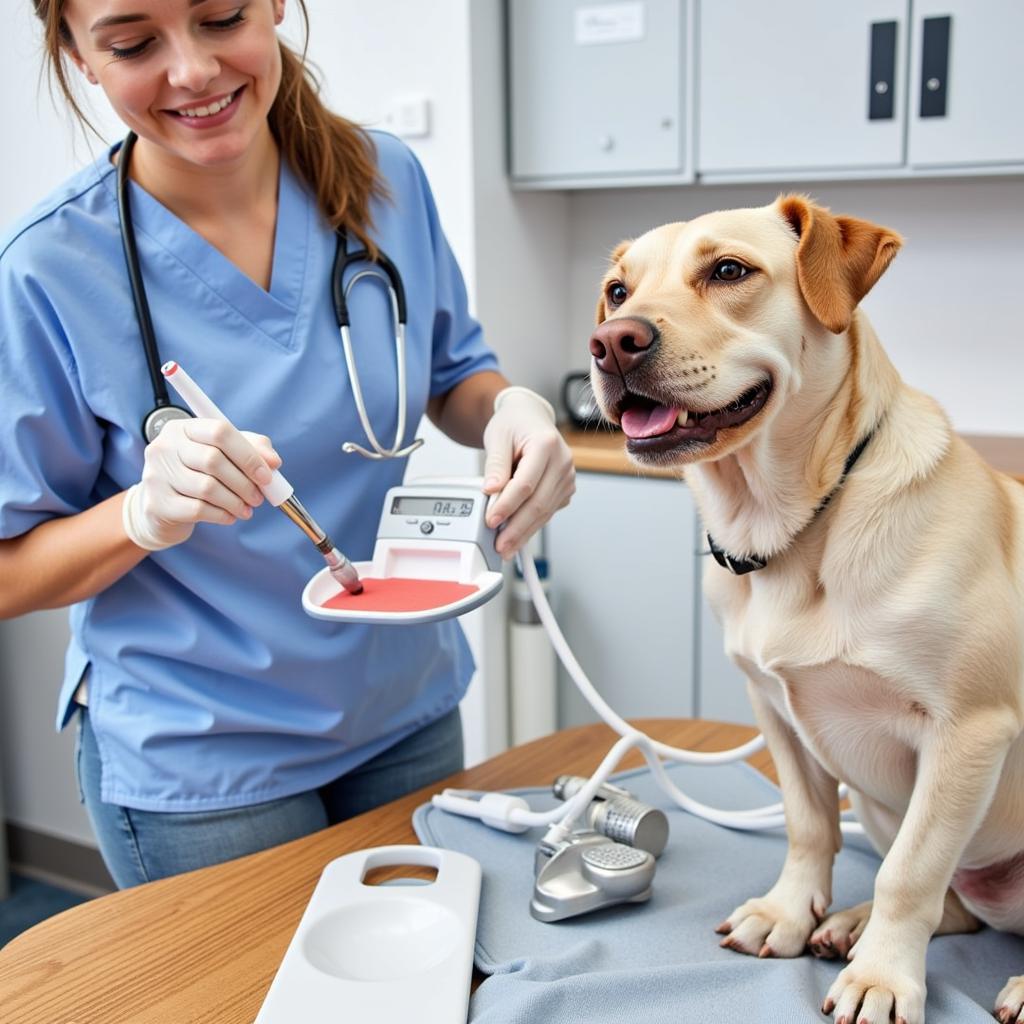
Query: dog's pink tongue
(649,422)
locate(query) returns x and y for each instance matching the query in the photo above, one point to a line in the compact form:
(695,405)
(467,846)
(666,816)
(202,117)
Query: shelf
(603,451)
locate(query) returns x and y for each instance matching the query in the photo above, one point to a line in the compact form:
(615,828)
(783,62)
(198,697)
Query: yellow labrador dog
(869,570)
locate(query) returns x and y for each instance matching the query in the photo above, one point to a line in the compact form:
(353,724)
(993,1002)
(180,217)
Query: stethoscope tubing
(161,398)
(382,267)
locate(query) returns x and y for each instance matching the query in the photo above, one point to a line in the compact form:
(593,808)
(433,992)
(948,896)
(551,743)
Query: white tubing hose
(500,810)
(752,819)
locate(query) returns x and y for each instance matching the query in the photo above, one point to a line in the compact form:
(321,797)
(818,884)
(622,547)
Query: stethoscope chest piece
(158,417)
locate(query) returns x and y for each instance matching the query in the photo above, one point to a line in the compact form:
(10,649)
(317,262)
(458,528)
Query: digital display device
(407,506)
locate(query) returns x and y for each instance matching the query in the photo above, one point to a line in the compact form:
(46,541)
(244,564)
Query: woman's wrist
(517,390)
(135,530)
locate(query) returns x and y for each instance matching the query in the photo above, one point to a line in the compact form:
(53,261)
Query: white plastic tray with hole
(389,954)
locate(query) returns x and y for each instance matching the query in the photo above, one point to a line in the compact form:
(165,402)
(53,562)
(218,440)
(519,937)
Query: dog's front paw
(772,925)
(839,932)
(1010,1002)
(874,990)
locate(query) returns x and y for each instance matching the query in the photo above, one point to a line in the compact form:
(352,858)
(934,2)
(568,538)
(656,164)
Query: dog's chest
(864,726)
(853,721)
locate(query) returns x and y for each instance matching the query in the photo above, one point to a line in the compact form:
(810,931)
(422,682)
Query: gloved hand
(528,465)
(196,471)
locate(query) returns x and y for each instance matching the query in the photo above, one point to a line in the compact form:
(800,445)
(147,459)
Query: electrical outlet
(408,117)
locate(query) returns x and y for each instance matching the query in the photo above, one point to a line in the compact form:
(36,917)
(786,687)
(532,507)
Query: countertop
(603,451)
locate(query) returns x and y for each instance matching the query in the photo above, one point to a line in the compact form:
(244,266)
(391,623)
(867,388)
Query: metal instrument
(611,861)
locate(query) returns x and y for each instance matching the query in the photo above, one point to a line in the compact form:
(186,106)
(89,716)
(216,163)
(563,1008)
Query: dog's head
(707,329)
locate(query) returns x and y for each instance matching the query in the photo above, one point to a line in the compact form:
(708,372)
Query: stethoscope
(381,267)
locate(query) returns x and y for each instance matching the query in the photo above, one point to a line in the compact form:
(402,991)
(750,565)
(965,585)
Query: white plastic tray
(324,586)
(386,954)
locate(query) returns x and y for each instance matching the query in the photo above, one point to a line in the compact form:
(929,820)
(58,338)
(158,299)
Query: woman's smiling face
(195,77)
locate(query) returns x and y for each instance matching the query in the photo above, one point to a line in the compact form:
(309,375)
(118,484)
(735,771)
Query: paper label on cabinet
(609,23)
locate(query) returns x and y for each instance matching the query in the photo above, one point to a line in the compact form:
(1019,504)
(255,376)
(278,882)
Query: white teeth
(213,108)
(683,418)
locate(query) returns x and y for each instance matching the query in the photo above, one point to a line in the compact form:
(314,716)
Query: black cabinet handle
(934,66)
(882,76)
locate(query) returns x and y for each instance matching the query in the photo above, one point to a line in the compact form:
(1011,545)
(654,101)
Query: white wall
(948,309)
(43,144)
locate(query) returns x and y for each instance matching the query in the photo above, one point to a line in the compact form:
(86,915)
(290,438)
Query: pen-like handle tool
(279,492)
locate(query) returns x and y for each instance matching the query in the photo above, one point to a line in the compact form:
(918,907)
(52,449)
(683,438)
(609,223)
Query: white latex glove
(528,466)
(196,471)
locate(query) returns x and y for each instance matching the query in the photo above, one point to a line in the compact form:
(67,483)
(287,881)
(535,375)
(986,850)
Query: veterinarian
(215,718)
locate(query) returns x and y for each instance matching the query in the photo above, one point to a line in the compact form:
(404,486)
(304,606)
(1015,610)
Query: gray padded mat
(660,961)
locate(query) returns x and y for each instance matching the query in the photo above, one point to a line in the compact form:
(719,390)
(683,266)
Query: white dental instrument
(278,492)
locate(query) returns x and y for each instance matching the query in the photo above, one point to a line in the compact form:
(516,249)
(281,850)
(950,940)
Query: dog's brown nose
(620,345)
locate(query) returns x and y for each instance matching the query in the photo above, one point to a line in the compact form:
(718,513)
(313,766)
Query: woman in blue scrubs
(216,717)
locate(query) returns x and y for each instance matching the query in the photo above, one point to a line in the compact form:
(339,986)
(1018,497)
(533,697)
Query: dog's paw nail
(724,928)
(1003,1015)
(765,952)
(828,1006)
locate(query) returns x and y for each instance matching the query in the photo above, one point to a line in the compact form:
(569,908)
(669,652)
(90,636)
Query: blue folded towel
(660,961)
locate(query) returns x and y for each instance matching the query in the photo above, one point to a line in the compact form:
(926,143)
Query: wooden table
(202,948)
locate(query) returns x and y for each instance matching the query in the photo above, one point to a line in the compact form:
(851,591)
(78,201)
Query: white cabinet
(800,84)
(627,558)
(598,91)
(674,91)
(965,83)
(622,588)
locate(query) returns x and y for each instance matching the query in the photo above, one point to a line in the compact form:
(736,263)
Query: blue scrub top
(209,687)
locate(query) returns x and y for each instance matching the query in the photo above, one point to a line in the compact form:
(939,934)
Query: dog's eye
(729,270)
(616,293)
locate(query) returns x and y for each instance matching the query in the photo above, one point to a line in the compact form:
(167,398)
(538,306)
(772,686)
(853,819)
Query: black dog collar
(741,566)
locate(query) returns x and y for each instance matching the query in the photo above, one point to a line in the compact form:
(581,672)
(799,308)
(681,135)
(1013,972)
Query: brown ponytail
(332,155)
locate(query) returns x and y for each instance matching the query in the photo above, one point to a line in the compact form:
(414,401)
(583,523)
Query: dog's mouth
(652,426)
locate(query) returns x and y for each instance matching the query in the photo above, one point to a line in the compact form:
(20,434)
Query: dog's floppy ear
(613,257)
(838,259)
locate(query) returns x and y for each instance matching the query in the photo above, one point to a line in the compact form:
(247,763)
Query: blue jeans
(140,846)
